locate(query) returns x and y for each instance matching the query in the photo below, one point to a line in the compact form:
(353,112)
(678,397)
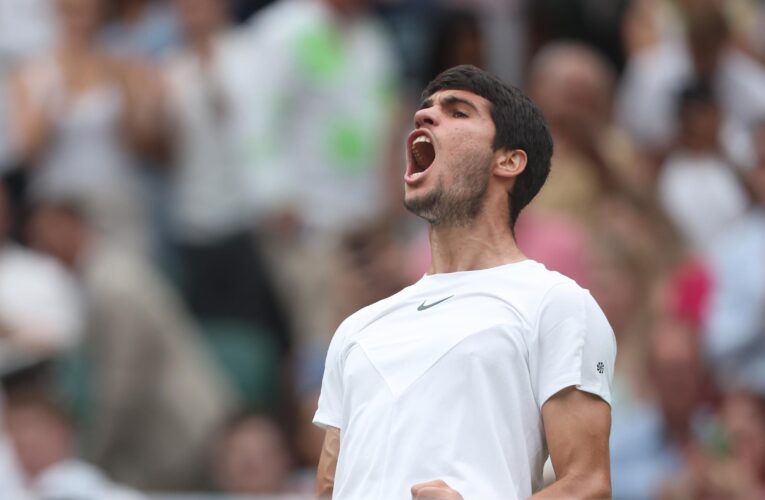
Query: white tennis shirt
(446,380)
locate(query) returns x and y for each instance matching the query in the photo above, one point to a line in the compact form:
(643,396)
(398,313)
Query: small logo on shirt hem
(601,367)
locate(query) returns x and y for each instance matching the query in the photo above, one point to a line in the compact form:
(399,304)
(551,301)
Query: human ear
(510,163)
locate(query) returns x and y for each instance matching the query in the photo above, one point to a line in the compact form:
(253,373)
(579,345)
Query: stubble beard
(459,206)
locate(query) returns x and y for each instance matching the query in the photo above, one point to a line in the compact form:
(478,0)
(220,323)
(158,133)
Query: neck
(481,244)
(77,48)
(202,45)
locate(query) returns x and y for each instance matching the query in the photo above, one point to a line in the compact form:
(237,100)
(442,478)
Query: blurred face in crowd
(79,20)
(39,436)
(700,125)
(253,458)
(450,156)
(200,17)
(573,86)
(743,417)
(58,232)
(676,369)
(615,284)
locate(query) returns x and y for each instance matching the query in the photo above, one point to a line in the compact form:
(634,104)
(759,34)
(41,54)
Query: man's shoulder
(532,280)
(368,314)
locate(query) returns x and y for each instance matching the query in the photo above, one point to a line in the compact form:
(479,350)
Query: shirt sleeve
(330,411)
(575,345)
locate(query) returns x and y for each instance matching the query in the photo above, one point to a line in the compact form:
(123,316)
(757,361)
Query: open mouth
(422,154)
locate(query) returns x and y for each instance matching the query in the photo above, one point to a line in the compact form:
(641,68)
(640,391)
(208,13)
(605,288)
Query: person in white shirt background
(457,386)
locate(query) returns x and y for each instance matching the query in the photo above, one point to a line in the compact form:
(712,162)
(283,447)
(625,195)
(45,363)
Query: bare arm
(31,128)
(145,123)
(325,475)
(577,426)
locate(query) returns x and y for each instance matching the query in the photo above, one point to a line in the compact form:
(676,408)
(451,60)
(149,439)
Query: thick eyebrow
(449,100)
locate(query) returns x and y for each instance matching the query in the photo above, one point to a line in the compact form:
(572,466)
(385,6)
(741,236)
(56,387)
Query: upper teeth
(422,138)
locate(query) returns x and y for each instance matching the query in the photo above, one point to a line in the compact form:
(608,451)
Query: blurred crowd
(196,192)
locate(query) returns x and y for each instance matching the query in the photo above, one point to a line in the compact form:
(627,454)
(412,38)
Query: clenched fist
(434,490)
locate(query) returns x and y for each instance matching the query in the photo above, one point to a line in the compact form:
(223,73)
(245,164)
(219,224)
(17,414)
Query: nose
(425,116)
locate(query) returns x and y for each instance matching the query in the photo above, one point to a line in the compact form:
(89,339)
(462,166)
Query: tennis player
(459,385)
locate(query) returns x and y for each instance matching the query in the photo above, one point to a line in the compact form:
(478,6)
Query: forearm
(588,486)
(325,474)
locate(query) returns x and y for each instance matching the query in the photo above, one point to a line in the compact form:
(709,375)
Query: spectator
(662,66)
(734,337)
(325,94)
(40,314)
(573,86)
(697,187)
(733,468)
(743,418)
(44,441)
(655,442)
(79,116)
(223,274)
(156,398)
(252,457)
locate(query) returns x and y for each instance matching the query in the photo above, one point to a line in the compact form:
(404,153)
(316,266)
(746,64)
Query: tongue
(424,154)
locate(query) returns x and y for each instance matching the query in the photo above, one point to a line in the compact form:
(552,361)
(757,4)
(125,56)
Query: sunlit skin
(79,21)
(461,129)
(459,125)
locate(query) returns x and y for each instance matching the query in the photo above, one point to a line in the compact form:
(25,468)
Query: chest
(449,335)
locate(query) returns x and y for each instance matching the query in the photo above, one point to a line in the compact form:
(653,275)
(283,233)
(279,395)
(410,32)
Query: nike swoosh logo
(422,306)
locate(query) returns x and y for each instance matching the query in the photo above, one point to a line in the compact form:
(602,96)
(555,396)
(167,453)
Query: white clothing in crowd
(87,158)
(77,479)
(735,332)
(210,198)
(653,79)
(323,101)
(701,194)
(38,298)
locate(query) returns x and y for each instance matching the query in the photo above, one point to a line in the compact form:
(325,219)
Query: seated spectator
(325,88)
(735,333)
(222,273)
(653,443)
(743,419)
(156,397)
(573,86)
(79,117)
(697,187)
(252,457)
(661,66)
(40,312)
(43,439)
(734,465)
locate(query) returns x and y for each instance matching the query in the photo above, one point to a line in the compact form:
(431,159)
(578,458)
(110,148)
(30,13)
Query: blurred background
(196,192)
